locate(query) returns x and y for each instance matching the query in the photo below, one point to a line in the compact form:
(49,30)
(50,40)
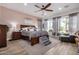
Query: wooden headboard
(23,26)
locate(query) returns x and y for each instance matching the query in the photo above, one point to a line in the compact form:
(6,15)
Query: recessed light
(25,4)
(60,8)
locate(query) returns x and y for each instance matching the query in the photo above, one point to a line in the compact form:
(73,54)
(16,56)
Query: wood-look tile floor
(63,49)
(22,47)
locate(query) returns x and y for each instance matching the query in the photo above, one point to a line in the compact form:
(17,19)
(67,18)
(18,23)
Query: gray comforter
(34,33)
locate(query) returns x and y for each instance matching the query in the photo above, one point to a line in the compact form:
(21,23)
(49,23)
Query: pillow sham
(32,29)
(25,29)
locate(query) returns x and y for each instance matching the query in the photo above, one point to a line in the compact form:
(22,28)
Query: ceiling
(30,8)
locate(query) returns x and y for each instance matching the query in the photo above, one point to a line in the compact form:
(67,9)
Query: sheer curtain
(49,24)
(56,24)
(44,24)
(73,23)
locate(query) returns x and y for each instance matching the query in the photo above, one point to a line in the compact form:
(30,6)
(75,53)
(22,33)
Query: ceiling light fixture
(25,4)
(44,13)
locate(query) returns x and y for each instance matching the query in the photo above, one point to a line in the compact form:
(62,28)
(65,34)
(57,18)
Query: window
(64,24)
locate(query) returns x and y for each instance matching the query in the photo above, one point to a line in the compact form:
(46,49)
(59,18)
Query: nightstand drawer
(16,35)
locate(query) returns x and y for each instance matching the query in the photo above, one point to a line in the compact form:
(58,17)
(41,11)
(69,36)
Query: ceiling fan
(44,8)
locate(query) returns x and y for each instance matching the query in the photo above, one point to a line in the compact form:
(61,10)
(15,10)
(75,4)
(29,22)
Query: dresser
(16,35)
(3,35)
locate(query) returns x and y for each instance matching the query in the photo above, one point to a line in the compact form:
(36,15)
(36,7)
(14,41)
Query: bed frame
(22,26)
(34,40)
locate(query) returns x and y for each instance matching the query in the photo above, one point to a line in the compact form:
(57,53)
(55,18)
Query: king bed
(31,33)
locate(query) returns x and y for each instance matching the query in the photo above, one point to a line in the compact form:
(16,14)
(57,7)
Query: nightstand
(16,35)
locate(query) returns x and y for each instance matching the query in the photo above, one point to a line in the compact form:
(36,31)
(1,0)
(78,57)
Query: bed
(31,33)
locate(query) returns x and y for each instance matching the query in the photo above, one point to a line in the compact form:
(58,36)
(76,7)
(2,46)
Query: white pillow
(31,29)
(25,29)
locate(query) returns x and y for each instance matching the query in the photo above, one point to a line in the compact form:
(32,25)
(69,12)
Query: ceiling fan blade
(48,10)
(37,6)
(38,11)
(47,5)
